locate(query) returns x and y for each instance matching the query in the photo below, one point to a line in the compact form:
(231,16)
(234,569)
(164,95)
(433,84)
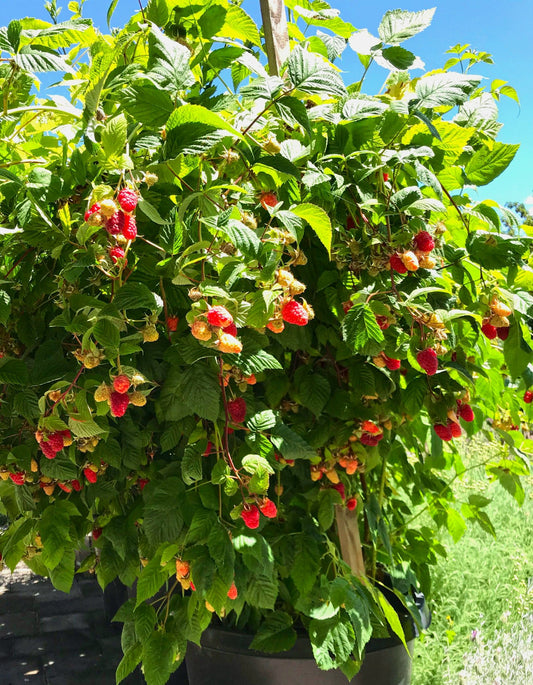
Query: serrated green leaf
(319,221)
(158,658)
(107,334)
(240,25)
(275,634)
(135,296)
(445,89)
(399,25)
(359,326)
(310,73)
(487,164)
(130,660)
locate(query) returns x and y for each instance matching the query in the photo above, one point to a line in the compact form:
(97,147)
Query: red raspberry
(17,478)
(268,509)
(465,412)
(237,410)
(209,449)
(455,429)
(489,331)
(92,210)
(250,517)
(424,241)
(91,476)
(129,229)
(64,487)
(268,200)
(528,396)
(142,483)
(502,332)
(172,323)
(115,223)
(346,306)
(233,592)
(397,265)
(391,364)
(56,440)
(127,199)
(339,487)
(96,533)
(231,330)
(118,403)
(383,321)
(385,177)
(444,432)
(293,312)
(428,360)
(370,440)
(116,253)
(121,384)
(219,316)
(48,450)
(350,223)
(76,485)
(351,504)
(370,427)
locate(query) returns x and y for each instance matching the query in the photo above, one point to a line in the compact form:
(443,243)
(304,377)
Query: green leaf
(196,114)
(445,89)
(399,57)
(163,520)
(290,444)
(169,63)
(262,421)
(62,575)
(261,592)
(516,351)
(145,619)
(399,25)
(135,296)
(147,104)
(455,524)
(319,221)
(392,617)
(152,577)
(114,136)
(487,164)
(130,660)
(54,530)
(495,251)
(310,73)
(332,641)
(275,634)
(257,362)
(111,11)
(158,658)
(240,26)
(313,389)
(13,372)
(414,395)
(359,326)
(107,334)
(158,11)
(327,499)
(191,465)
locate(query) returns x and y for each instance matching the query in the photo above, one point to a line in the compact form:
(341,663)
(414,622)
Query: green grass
(482,629)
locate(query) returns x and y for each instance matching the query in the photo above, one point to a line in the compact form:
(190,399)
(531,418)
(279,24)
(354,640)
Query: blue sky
(503,29)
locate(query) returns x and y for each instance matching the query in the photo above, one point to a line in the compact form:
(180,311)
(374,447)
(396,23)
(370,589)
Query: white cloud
(528,201)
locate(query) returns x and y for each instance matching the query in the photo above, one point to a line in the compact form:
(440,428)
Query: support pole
(276,33)
(350,541)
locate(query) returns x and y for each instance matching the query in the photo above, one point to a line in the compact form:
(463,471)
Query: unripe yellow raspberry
(108,208)
(137,399)
(102,393)
(229,344)
(201,330)
(150,333)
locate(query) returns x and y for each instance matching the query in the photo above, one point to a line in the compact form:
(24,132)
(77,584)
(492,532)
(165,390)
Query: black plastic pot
(225,659)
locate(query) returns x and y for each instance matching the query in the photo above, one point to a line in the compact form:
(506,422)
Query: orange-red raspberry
(268,509)
(219,316)
(116,253)
(172,323)
(94,209)
(129,228)
(428,360)
(397,265)
(268,200)
(121,384)
(233,592)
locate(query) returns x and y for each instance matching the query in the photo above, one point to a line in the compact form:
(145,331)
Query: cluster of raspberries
(250,514)
(52,443)
(452,429)
(418,257)
(117,395)
(218,328)
(116,221)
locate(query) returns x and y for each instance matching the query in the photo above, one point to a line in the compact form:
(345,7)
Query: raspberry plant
(242,312)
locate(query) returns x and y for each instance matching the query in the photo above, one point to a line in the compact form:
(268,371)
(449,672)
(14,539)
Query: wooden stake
(350,541)
(276,33)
